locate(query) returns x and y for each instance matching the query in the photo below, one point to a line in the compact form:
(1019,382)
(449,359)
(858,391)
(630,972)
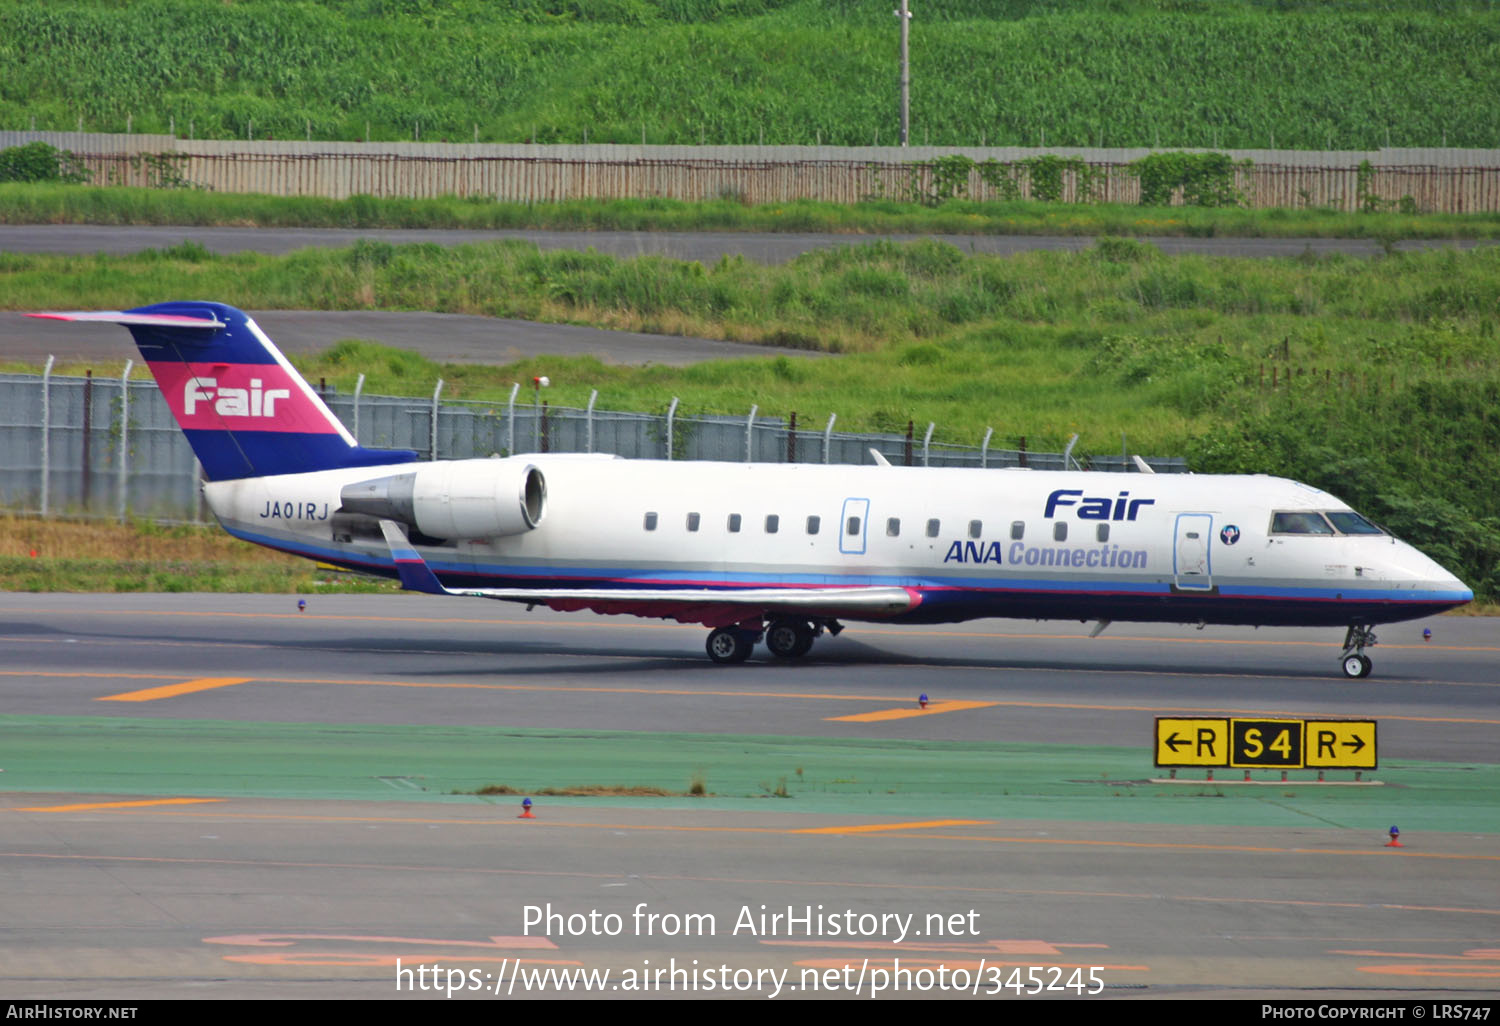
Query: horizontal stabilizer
(138,319)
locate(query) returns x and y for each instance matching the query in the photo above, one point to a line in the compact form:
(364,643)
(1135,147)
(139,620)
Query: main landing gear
(785,638)
(1356,664)
(731,644)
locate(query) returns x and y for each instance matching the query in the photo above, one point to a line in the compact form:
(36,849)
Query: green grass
(1394,362)
(828,776)
(1178,72)
(72,204)
(58,554)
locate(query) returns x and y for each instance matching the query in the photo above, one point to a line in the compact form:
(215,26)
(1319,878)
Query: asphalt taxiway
(220,796)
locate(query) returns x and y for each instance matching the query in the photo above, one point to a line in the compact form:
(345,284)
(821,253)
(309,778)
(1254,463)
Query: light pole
(538,383)
(905,16)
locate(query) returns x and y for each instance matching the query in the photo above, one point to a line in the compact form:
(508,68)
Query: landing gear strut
(1356,664)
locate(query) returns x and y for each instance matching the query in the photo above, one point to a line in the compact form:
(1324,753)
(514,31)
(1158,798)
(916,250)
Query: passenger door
(853,525)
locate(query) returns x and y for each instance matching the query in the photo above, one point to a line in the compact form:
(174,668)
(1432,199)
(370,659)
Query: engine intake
(456,498)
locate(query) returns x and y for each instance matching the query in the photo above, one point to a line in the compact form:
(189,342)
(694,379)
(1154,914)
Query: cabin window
(976,528)
(933,527)
(1299,523)
(1017,530)
(650,521)
(893,527)
(813,523)
(1352,523)
(692,521)
(1102,532)
(734,523)
(852,527)
(1060,531)
(773,523)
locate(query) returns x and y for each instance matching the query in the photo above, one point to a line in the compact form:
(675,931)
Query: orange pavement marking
(901,714)
(120,805)
(169,690)
(286,940)
(699,693)
(1380,852)
(872,828)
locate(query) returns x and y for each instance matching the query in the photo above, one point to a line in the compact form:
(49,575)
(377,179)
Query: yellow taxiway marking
(88,806)
(170,690)
(875,828)
(901,714)
(715,693)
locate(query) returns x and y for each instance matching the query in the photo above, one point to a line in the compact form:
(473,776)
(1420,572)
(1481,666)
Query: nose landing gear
(1355,663)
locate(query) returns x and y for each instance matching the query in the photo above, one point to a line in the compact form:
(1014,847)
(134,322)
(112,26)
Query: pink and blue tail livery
(245,410)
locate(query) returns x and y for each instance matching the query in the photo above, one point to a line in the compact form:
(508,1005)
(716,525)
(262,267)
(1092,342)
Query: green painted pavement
(927,779)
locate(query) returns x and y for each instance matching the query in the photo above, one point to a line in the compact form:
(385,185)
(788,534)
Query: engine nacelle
(456,498)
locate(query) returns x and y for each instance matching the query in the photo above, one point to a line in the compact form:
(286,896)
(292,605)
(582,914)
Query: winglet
(416,575)
(1142,465)
(880,461)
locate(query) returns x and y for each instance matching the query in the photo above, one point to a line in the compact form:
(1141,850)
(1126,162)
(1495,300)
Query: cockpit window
(1350,522)
(1299,523)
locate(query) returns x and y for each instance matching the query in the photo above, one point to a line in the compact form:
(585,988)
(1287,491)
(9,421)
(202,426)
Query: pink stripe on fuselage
(239,397)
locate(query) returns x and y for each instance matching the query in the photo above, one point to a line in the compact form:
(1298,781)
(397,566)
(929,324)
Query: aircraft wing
(714,607)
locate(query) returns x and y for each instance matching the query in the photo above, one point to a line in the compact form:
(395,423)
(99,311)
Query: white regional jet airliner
(780,552)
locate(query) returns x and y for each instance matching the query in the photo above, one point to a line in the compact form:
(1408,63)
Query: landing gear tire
(1355,663)
(729,645)
(789,639)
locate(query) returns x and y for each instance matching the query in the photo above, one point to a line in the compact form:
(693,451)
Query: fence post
(1068,453)
(828,435)
(546,441)
(750,434)
(1021,452)
(121,472)
(88,429)
(510,420)
(358,387)
(791,440)
(588,444)
(671,412)
(910,429)
(46,429)
(432,448)
(984,449)
(927,442)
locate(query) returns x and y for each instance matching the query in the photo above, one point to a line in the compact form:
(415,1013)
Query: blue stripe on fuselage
(943,597)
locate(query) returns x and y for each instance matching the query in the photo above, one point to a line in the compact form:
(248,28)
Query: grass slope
(1184,73)
(73,204)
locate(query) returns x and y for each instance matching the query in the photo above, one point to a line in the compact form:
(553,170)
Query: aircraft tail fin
(245,410)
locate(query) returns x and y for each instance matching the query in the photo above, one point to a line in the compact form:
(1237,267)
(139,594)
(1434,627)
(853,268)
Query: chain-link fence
(110,447)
